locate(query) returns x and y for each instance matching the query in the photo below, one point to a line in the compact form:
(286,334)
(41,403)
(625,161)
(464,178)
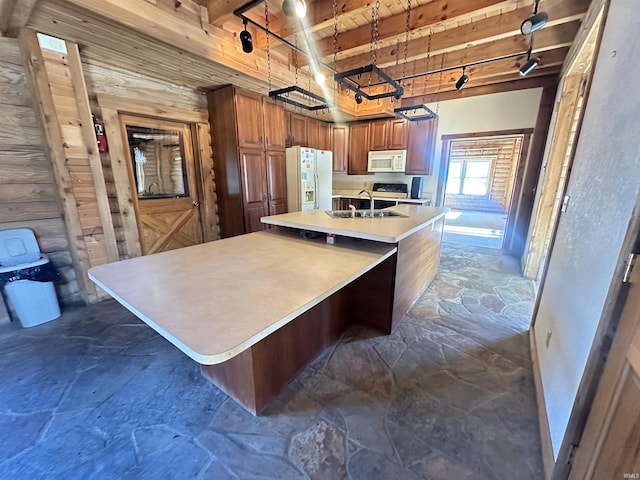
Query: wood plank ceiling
(483,35)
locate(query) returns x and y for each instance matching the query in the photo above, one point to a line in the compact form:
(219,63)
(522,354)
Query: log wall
(27,188)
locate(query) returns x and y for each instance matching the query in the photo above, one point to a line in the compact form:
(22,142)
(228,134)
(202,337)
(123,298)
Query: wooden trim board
(543,420)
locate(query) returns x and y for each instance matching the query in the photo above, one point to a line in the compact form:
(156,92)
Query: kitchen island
(253,310)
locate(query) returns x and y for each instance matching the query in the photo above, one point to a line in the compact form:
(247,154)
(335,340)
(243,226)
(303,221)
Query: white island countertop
(217,299)
(380,229)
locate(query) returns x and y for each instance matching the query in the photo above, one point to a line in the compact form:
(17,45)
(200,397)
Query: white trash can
(34,302)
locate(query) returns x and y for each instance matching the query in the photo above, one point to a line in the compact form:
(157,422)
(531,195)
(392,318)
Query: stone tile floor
(448,395)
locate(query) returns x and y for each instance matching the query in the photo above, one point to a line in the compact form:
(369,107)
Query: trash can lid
(17,246)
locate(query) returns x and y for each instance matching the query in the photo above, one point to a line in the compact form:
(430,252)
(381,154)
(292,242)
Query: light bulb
(320,78)
(301,8)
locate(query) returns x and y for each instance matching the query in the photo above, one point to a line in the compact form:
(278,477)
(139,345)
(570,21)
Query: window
(158,162)
(469,176)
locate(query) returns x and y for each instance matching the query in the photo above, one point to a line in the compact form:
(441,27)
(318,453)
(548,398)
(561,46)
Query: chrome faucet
(370,199)
(353,210)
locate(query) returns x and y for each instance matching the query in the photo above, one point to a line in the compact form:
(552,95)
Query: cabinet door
(339,147)
(324,136)
(397,134)
(378,135)
(274,124)
(249,116)
(421,147)
(358,149)
(277,182)
(254,189)
(313,133)
(298,129)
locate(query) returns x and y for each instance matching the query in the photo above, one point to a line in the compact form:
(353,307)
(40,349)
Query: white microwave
(387,161)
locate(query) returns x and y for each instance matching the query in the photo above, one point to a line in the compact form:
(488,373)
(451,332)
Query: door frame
(516,180)
(111,107)
(190,162)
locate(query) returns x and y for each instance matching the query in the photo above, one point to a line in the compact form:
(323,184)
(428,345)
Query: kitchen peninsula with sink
(254,309)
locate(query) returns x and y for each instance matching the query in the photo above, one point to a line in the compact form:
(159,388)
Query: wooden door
(339,147)
(277,182)
(163,179)
(254,189)
(313,133)
(298,129)
(421,147)
(274,125)
(397,134)
(249,120)
(378,135)
(610,444)
(358,149)
(324,136)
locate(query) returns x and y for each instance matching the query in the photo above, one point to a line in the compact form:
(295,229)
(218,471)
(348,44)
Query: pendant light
(245,39)
(462,81)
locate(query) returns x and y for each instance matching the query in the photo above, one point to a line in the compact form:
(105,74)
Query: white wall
(499,111)
(604,187)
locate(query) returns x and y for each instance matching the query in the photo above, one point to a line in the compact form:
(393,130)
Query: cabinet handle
(267,141)
(260,138)
(196,204)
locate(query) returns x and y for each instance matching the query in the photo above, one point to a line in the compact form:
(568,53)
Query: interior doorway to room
(480,174)
(163,177)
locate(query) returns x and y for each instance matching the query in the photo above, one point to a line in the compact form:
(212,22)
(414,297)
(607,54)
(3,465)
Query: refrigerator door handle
(316,186)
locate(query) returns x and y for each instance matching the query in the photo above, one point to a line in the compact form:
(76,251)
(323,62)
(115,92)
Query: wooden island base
(259,373)
(378,299)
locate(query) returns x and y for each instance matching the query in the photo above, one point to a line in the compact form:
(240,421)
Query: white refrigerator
(309,184)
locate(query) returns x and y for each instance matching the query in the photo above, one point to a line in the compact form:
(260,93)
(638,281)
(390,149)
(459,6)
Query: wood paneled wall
(27,190)
(506,152)
(115,82)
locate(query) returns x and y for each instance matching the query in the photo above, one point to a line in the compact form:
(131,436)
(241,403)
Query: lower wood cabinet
(264,188)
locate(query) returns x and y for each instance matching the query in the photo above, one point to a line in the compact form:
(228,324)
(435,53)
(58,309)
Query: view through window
(469,176)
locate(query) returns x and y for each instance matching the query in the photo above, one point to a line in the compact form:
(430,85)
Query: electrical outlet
(547,339)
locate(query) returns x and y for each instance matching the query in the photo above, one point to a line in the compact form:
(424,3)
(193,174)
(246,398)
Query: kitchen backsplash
(358,182)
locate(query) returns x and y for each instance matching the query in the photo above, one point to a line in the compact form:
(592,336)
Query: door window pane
(158,162)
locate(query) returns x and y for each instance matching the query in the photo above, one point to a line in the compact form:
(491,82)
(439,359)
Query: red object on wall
(100,136)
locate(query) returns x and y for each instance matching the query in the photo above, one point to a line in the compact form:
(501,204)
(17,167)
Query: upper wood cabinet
(339,147)
(378,135)
(421,147)
(397,133)
(313,133)
(388,134)
(250,119)
(274,125)
(261,122)
(358,149)
(324,136)
(297,130)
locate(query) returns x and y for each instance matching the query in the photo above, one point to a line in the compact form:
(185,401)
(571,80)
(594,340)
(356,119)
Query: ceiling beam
(480,31)
(221,11)
(546,39)
(503,85)
(14,15)
(481,74)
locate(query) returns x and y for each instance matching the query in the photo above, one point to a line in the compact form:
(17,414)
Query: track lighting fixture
(245,39)
(528,67)
(462,81)
(297,6)
(534,22)
(358,97)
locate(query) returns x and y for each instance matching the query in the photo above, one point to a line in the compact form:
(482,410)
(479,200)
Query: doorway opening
(479,182)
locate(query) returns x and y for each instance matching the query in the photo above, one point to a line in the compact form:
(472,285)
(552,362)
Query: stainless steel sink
(363,213)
